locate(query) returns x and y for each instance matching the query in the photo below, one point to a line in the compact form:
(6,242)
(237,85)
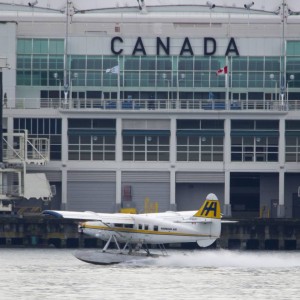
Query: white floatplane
(202,227)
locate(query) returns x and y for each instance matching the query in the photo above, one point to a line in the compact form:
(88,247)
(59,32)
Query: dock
(255,234)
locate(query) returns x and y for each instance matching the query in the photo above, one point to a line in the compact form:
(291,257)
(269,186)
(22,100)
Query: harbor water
(205,274)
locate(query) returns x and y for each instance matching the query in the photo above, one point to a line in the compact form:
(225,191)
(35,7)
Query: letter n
(160,44)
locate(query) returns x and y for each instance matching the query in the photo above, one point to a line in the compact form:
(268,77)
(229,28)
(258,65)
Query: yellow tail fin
(210,209)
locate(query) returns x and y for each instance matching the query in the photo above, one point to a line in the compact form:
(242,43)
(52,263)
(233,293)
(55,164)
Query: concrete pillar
(64,160)
(119,162)
(281,206)
(118,190)
(227,160)
(281,160)
(172,190)
(173,152)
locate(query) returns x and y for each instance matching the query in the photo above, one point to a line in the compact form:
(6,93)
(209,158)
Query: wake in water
(224,258)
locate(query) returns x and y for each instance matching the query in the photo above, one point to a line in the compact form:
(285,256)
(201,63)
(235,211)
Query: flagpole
(227,84)
(118,83)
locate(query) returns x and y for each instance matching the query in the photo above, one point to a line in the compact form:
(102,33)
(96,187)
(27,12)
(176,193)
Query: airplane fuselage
(151,230)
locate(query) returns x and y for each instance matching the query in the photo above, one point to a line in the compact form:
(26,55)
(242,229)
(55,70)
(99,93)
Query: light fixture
(203,139)
(292,77)
(210,5)
(249,5)
(142,6)
(258,139)
(149,138)
(33,3)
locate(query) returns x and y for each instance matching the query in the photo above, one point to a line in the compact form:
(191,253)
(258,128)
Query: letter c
(112,45)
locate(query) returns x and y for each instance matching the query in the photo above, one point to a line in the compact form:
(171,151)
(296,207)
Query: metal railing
(23,149)
(157,104)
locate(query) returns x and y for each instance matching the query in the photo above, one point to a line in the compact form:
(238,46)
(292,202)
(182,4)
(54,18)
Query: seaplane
(133,232)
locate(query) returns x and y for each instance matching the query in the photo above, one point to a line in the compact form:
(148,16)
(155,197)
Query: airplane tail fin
(210,209)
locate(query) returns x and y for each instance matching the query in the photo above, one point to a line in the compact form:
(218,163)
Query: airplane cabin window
(140,226)
(146,227)
(155,228)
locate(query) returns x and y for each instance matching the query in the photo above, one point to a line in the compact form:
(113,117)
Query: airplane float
(202,227)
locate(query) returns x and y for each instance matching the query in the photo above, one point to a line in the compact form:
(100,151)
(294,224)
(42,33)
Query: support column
(227,205)
(281,206)
(64,188)
(173,165)
(227,160)
(118,190)
(64,160)
(173,189)
(281,154)
(119,162)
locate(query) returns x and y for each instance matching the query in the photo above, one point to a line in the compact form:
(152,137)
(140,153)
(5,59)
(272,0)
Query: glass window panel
(163,156)
(256,79)
(24,61)
(148,63)
(186,64)
(73,155)
(256,63)
(239,79)
(24,46)
(202,63)
(164,63)
(85,156)
(40,46)
(127,156)
(132,63)
(97,156)
(239,63)
(181,156)
(205,156)
(56,46)
(94,63)
(78,62)
(40,62)
(56,62)
(272,64)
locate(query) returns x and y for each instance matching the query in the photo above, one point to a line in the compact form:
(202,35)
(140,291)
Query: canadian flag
(222,71)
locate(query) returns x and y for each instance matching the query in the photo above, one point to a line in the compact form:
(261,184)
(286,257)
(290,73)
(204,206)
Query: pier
(43,232)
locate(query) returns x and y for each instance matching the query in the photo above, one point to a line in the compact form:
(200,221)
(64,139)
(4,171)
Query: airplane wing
(90,216)
(195,221)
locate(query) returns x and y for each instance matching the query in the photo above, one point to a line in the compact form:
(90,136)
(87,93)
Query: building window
(292,141)
(200,148)
(146,147)
(254,140)
(42,128)
(200,140)
(251,148)
(91,139)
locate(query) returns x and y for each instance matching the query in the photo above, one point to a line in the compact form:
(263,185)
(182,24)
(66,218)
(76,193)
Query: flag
(222,71)
(114,70)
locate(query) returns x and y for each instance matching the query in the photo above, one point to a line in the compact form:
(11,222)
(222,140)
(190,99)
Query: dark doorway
(296,206)
(244,195)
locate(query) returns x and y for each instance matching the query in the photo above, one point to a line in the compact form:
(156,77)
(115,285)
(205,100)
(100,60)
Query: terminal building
(151,105)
